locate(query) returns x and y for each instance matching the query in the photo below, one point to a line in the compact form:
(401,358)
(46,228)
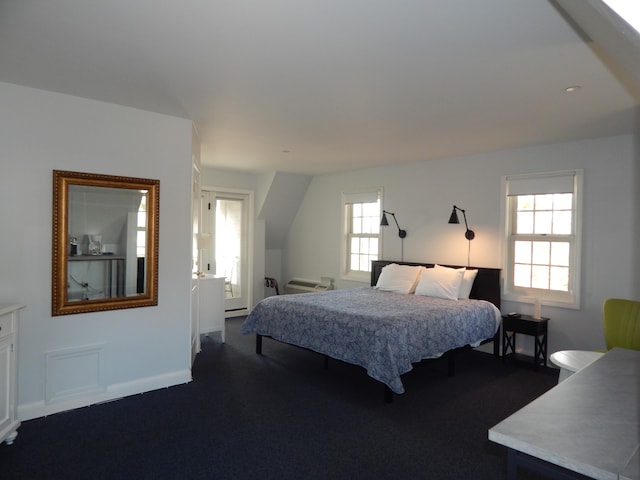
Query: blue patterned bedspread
(384,332)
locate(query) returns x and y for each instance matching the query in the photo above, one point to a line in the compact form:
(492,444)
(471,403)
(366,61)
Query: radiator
(298,285)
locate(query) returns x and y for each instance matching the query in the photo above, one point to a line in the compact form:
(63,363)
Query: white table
(588,425)
(571,361)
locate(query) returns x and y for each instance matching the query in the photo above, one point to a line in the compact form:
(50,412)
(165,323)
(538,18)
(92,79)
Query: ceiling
(317,86)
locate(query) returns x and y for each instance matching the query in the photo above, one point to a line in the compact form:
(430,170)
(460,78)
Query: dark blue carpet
(283,416)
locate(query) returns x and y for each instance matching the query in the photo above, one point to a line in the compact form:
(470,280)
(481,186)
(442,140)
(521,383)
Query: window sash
(554,280)
(363,237)
(557,263)
(362,242)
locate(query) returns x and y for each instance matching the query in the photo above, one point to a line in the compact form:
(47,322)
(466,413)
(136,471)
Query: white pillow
(467,284)
(440,283)
(467,281)
(399,278)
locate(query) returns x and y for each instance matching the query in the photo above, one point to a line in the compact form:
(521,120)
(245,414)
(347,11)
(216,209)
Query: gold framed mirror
(105,242)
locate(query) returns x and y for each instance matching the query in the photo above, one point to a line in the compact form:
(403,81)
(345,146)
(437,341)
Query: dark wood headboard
(485,287)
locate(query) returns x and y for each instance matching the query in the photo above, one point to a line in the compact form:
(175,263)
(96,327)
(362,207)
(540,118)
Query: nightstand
(526,325)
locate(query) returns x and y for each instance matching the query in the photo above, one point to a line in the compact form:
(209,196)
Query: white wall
(423,194)
(131,350)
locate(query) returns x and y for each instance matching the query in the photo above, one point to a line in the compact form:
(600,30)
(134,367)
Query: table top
(589,423)
(574,360)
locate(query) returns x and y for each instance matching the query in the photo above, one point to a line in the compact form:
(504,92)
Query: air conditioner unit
(299,285)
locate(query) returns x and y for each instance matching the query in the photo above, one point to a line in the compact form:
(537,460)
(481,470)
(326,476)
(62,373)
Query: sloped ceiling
(284,196)
(321,86)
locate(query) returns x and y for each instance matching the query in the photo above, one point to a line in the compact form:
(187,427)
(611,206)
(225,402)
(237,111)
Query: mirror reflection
(105,242)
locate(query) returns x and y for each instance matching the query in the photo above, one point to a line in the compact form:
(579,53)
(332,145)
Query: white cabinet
(8,372)
(195,312)
(211,304)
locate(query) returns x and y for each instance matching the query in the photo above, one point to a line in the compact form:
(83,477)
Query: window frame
(348,199)
(547,182)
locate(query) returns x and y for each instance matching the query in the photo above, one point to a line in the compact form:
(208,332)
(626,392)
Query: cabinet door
(6,389)
(212,305)
(195,319)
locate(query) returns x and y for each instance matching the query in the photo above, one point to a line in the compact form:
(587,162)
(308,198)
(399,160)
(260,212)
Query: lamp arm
(401,233)
(395,220)
(469,234)
(466,225)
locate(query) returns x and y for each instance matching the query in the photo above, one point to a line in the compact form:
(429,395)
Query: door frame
(250,241)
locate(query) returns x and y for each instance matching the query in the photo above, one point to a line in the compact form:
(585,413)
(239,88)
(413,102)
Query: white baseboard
(113,392)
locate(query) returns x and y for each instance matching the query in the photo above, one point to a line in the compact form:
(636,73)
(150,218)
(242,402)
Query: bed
(386,330)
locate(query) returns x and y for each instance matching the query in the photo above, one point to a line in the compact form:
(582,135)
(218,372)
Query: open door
(226,215)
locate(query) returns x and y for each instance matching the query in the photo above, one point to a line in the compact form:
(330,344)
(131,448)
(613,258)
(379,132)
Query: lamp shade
(454,216)
(383,220)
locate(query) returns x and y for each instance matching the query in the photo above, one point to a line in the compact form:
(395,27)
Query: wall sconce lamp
(384,223)
(469,234)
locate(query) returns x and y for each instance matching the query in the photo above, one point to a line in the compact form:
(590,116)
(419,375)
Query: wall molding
(111,392)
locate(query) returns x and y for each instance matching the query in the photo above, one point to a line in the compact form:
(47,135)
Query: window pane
(522,252)
(522,275)
(562,222)
(543,222)
(357,209)
(544,202)
(370,209)
(563,201)
(355,262)
(357,225)
(373,246)
(540,276)
(355,245)
(541,253)
(141,242)
(560,253)
(368,224)
(524,223)
(559,279)
(525,202)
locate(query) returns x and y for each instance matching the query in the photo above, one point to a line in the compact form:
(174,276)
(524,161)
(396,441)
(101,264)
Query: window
(361,232)
(141,238)
(543,244)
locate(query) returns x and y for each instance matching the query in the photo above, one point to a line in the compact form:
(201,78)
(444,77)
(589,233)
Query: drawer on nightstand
(6,325)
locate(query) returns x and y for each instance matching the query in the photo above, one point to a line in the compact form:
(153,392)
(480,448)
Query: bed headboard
(485,287)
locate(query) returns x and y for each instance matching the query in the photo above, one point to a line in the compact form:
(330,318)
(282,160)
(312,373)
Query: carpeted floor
(283,416)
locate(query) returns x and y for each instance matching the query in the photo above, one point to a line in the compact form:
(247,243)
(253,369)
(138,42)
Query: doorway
(226,217)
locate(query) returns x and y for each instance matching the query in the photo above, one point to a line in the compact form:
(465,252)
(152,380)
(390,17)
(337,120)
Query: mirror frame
(60,304)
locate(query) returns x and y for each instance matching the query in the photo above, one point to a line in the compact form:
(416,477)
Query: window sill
(545,301)
(362,278)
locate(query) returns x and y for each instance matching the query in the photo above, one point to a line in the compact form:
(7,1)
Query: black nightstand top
(524,324)
(527,318)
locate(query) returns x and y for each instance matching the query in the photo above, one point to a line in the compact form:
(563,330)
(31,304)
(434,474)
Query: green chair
(621,323)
